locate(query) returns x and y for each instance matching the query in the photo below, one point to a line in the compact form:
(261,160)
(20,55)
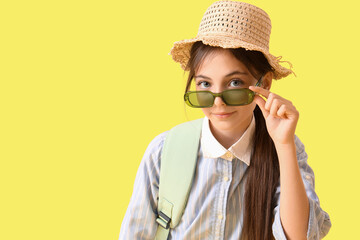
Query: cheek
(247,108)
(251,106)
(206,111)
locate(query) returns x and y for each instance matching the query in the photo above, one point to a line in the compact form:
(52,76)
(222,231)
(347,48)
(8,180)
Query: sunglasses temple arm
(259,82)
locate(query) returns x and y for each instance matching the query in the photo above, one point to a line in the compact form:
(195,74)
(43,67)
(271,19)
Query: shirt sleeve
(140,218)
(319,221)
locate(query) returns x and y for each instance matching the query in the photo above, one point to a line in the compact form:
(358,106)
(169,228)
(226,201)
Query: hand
(280,115)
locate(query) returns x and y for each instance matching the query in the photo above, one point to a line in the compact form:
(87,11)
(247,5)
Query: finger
(282,111)
(264,92)
(288,111)
(274,108)
(269,101)
(261,103)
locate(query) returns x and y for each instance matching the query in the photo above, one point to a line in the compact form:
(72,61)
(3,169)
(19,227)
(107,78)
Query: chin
(234,122)
(223,124)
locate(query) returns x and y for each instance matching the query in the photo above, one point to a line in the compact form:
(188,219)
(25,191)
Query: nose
(218,101)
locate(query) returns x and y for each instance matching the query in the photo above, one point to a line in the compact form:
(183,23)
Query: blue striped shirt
(215,201)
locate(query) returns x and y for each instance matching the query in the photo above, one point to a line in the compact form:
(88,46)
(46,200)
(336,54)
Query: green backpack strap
(178,162)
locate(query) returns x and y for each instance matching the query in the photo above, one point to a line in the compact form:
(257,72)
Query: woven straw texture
(231,24)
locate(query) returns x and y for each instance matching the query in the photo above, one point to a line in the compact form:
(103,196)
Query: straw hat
(231,24)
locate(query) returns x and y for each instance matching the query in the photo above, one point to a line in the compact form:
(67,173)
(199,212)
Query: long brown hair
(263,172)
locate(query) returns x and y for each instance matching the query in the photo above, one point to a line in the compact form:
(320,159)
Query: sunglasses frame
(187,101)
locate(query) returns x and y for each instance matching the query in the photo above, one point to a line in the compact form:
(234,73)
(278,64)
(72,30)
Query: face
(221,71)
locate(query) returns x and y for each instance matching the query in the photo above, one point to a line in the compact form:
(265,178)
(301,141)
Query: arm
(294,205)
(281,118)
(140,218)
(319,222)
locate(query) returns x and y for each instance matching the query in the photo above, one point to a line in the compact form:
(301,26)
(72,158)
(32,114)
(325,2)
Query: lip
(222,115)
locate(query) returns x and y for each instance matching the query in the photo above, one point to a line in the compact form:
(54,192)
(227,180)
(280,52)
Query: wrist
(286,150)
(285,143)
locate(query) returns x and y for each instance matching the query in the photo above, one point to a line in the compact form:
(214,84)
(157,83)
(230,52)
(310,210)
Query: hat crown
(237,21)
(232,24)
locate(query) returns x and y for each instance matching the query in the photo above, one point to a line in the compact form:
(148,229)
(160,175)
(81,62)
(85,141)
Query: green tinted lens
(199,99)
(238,97)
(233,97)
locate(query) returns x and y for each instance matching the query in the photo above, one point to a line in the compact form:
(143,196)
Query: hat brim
(180,52)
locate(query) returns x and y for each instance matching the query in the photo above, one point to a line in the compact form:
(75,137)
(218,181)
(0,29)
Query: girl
(252,180)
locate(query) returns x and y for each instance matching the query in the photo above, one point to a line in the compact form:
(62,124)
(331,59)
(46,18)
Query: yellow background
(86,85)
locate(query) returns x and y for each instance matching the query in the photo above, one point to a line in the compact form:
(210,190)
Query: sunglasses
(232,97)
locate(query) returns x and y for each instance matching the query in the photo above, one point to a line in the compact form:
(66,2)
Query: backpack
(178,162)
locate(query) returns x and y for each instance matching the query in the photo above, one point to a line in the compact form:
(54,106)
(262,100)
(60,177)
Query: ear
(267,80)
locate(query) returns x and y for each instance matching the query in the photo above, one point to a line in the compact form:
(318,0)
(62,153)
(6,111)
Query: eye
(203,84)
(236,83)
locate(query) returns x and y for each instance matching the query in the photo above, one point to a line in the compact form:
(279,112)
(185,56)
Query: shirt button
(226,179)
(228,155)
(220,217)
(308,177)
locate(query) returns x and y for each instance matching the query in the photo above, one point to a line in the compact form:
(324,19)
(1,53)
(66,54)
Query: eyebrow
(227,75)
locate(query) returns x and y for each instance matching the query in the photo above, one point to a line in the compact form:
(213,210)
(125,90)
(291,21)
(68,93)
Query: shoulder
(192,125)
(158,141)
(302,156)
(300,148)
(302,159)
(149,167)
(156,144)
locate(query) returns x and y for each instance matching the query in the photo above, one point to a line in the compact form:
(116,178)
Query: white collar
(241,149)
